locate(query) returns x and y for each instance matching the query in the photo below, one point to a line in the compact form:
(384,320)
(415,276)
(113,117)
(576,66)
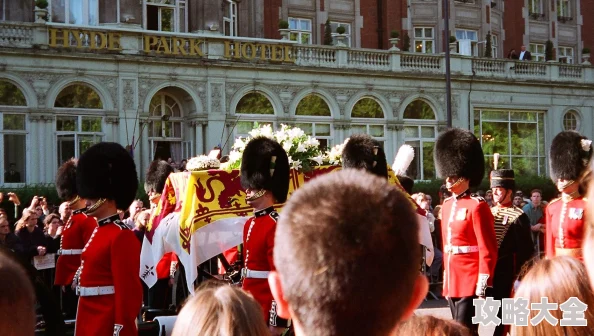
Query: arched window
(368,118)
(11,95)
(419,109)
(254,107)
(315,118)
(76,133)
(420,129)
(165,117)
(78,96)
(571,121)
(13,133)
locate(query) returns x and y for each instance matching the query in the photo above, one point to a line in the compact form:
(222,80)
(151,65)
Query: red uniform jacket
(258,242)
(111,258)
(467,221)
(75,235)
(165,265)
(564,224)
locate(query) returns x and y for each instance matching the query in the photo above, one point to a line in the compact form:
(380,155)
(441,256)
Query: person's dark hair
(431,325)
(535,191)
(17,298)
(49,218)
(347,241)
(481,193)
(407,183)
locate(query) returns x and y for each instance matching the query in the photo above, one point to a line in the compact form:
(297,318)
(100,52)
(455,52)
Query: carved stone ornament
(35,79)
(230,91)
(216,95)
(128,94)
(42,117)
(144,85)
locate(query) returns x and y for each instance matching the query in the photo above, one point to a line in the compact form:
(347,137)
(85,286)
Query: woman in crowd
(557,279)
(431,326)
(220,310)
(32,237)
(53,230)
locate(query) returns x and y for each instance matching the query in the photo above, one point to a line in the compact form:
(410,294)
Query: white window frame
(172,119)
(473,42)
(540,154)
(314,121)
(495,46)
(297,29)
(77,133)
(86,8)
(421,140)
(25,132)
(231,18)
(566,54)
(536,5)
(424,39)
(253,118)
(564,8)
(537,51)
(575,120)
(347,33)
(177,8)
(368,123)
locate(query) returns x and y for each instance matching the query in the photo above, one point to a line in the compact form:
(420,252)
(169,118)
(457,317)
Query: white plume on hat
(404,157)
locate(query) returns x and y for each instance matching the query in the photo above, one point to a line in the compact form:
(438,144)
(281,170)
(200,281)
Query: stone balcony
(217,48)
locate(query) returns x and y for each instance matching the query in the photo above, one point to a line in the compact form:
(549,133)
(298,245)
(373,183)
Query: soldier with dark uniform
(107,280)
(512,228)
(470,246)
(265,178)
(565,216)
(75,234)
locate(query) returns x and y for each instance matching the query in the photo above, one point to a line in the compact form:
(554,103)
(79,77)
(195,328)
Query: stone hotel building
(175,78)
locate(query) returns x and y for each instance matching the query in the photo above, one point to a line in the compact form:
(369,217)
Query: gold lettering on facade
(84,39)
(115,41)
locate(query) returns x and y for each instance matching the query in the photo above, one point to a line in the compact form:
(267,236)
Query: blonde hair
(431,326)
(558,279)
(220,310)
(418,197)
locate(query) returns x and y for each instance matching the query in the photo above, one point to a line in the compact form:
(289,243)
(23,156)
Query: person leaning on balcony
(512,54)
(525,55)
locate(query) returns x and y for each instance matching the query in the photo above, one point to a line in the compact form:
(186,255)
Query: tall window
(566,55)
(537,51)
(254,107)
(166,15)
(467,42)
(563,9)
(535,8)
(78,12)
(494,46)
(300,30)
(368,118)
(165,117)
(315,118)
(230,18)
(75,134)
(13,131)
(571,121)
(518,136)
(424,40)
(419,132)
(347,32)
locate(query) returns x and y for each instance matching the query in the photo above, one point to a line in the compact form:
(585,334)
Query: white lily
(296,164)
(318,159)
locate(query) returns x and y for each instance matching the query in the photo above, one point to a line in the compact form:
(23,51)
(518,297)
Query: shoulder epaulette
(477,198)
(274,216)
(121,225)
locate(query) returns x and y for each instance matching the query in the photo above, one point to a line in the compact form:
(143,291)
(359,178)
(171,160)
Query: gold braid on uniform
(73,202)
(501,229)
(97,204)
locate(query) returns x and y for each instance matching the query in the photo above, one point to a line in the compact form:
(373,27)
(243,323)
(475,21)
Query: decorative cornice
(42,117)
(395,126)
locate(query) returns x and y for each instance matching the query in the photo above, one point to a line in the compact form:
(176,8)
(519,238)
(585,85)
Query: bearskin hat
(156,176)
(569,155)
(458,153)
(364,152)
(265,165)
(106,170)
(407,183)
(503,178)
(66,180)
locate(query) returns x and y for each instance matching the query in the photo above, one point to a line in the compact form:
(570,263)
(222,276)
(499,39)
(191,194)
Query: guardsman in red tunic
(512,228)
(265,178)
(107,281)
(565,216)
(75,234)
(470,246)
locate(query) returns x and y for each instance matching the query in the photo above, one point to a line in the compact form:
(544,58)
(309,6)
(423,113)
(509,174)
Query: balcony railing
(216,48)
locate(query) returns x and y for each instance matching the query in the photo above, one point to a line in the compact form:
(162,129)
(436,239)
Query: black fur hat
(503,178)
(265,165)
(364,152)
(459,153)
(407,183)
(106,170)
(66,180)
(569,156)
(156,176)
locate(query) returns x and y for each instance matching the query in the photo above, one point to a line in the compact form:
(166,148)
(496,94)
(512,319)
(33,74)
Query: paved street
(440,309)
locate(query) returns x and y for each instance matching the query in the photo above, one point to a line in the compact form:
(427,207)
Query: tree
(406,42)
(489,46)
(327,33)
